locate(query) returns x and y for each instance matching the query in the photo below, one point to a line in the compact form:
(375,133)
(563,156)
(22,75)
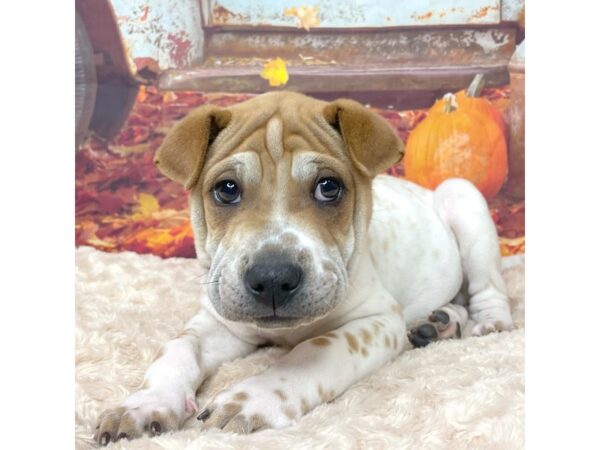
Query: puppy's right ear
(182,153)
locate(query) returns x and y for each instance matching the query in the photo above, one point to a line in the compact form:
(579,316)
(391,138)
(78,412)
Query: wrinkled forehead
(304,145)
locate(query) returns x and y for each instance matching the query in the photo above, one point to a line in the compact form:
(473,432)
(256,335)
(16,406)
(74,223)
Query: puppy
(305,246)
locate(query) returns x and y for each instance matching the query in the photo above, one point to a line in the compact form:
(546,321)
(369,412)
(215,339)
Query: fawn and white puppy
(305,246)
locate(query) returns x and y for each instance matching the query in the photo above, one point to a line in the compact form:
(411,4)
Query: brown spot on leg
(324,395)
(240,396)
(320,341)
(220,417)
(387,342)
(366,336)
(364,351)
(257,422)
(238,425)
(279,393)
(304,407)
(321,393)
(289,412)
(352,342)
(395,342)
(331,335)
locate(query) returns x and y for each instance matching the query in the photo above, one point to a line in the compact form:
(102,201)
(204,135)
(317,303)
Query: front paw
(251,405)
(147,410)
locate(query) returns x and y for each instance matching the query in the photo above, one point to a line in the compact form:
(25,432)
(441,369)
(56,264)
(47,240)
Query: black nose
(273,281)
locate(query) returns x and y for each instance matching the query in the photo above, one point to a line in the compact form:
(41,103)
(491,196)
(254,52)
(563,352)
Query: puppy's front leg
(315,371)
(168,394)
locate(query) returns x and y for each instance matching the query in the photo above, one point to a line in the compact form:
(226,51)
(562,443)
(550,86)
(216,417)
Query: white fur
(419,246)
(459,394)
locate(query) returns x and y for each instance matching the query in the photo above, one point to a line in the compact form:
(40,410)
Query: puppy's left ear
(372,143)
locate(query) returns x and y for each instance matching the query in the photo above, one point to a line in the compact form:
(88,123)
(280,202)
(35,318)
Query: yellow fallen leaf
(510,247)
(159,239)
(275,71)
(99,243)
(169,97)
(141,96)
(307,16)
(147,204)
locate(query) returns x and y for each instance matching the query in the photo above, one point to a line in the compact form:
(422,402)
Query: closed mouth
(274,321)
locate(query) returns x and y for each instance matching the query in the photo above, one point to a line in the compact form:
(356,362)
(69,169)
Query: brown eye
(328,190)
(227,192)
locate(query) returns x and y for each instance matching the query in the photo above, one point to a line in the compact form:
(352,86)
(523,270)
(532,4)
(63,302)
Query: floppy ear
(372,143)
(181,155)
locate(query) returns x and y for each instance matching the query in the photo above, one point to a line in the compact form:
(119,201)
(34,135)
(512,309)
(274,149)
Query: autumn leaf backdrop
(124,203)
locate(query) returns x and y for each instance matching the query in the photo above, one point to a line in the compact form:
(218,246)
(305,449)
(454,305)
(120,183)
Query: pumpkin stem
(450,103)
(476,86)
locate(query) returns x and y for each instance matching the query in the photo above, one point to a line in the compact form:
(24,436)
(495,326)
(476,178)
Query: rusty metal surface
(513,10)
(325,60)
(408,48)
(322,79)
(353,13)
(159,34)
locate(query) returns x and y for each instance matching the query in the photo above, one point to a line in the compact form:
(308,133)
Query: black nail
(203,415)
(105,439)
(121,436)
(155,428)
(458,331)
(440,316)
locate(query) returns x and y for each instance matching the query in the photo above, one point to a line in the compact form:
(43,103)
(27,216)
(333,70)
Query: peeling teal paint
(354,13)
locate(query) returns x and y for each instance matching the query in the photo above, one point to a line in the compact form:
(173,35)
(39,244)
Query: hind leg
(461,205)
(447,322)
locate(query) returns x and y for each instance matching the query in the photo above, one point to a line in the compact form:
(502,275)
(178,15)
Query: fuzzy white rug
(459,394)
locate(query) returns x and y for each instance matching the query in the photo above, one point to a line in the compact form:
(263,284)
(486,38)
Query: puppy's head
(280,191)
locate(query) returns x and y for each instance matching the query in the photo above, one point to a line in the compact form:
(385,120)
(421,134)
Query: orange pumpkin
(457,143)
(470,99)
(465,101)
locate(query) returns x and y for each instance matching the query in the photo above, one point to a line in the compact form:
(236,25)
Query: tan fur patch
(289,412)
(279,393)
(366,336)
(325,396)
(364,351)
(387,342)
(395,342)
(304,407)
(352,342)
(240,396)
(320,341)
(331,335)
(257,422)
(232,408)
